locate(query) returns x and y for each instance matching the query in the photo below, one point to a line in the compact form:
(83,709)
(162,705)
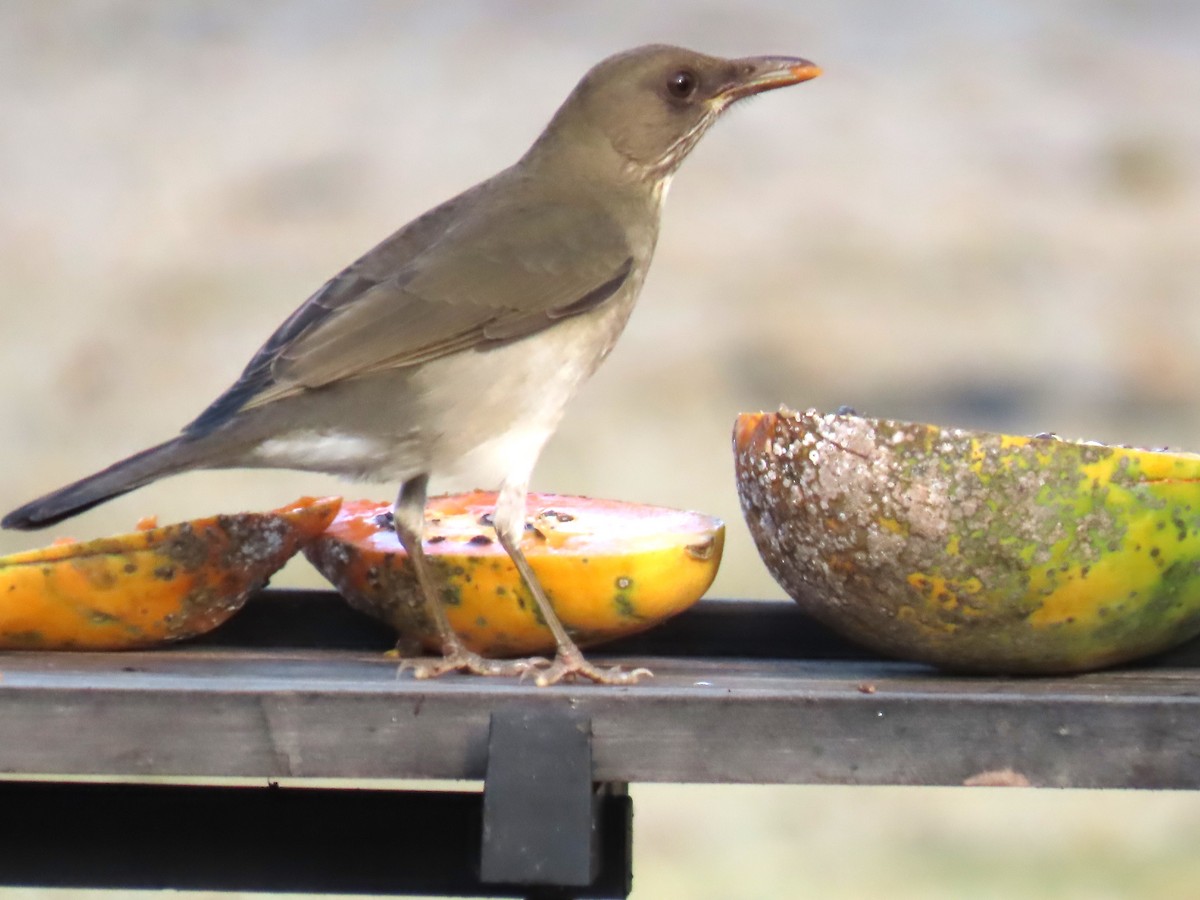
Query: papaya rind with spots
(150,587)
(609,568)
(972,550)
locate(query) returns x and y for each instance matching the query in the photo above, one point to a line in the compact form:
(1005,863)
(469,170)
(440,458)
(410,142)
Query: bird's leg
(509,520)
(409,522)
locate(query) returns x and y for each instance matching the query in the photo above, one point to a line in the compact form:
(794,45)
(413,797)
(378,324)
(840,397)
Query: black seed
(386,520)
(436,539)
(480,540)
(487,520)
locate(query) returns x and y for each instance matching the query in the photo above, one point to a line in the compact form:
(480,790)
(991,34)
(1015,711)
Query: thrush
(454,345)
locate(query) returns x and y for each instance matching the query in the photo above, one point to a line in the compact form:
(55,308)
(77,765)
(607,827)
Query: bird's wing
(495,274)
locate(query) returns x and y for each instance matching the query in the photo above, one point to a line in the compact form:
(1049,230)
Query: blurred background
(983,214)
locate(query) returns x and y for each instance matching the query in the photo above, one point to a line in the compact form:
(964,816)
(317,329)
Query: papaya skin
(610,569)
(152,586)
(975,551)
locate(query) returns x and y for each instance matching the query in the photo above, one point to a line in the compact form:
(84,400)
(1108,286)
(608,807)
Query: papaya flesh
(152,586)
(609,568)
(971,550)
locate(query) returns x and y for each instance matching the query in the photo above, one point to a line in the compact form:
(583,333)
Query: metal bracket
(544,821)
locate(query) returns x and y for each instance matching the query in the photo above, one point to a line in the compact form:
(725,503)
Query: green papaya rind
(975,551)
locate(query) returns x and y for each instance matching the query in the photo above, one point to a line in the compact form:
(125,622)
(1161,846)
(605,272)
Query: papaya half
(609,568)
(152,586)
(971,550)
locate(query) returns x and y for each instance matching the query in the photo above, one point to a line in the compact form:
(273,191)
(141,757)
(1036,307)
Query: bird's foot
(463,660)
(574,665)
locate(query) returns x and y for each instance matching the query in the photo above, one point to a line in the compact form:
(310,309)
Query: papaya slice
(972,550)
(609,568)
(151,586)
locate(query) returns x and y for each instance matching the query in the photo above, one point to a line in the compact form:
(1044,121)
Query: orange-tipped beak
(804,70)
(764,73)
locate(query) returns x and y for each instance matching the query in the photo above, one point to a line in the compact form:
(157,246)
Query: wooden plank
(346,714)
(296,686)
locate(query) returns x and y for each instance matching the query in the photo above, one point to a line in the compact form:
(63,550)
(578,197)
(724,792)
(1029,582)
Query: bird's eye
(682,84)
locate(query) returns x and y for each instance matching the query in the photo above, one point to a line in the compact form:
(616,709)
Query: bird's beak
(756,74)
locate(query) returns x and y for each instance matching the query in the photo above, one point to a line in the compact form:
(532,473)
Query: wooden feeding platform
(296,687)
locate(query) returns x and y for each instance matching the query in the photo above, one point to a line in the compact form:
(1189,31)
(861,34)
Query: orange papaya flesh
(151,586)
(609,568)
(972,550)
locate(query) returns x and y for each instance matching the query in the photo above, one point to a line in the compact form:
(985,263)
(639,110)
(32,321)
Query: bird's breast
(491,411)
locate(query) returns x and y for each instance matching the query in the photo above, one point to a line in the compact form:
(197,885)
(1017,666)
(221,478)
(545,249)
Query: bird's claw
(463,660)
(576,666)
(565,666)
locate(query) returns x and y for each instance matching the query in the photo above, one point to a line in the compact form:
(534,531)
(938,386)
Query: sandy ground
(983,214)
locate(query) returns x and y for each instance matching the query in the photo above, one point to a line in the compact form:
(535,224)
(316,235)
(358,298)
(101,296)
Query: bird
(454,345)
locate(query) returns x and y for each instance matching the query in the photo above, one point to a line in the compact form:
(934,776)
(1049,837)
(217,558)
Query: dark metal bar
(270,839)
(127,837)
(747,629)
(722,629)
(539,809)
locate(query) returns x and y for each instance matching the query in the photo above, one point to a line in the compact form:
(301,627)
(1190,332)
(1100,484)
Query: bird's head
(652,104)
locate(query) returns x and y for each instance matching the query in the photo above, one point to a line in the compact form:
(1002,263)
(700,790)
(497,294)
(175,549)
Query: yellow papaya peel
(151,586)
(609,568)
(972,550)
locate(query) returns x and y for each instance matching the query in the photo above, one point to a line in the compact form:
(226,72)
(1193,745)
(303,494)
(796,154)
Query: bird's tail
(119,478)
